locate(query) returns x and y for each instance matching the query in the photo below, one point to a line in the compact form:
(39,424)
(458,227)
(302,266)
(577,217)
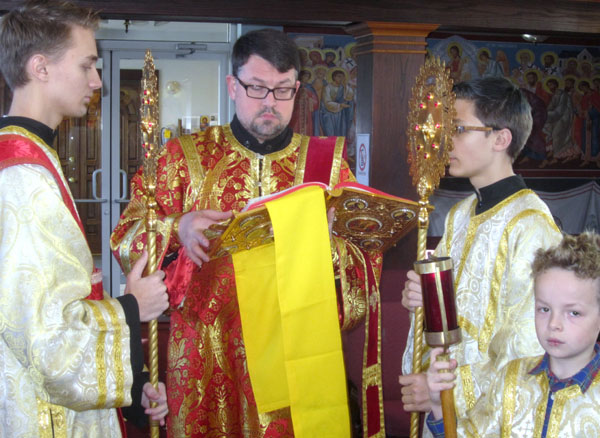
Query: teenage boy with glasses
(491,237)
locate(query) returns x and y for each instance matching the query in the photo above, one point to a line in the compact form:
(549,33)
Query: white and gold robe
(64,361)
(492,254)
(515,407)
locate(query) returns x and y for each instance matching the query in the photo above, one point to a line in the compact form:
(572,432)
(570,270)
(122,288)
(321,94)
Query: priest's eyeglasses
(260,92)
(461,129)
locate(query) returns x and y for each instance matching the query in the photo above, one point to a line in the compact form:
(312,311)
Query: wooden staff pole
(448,409)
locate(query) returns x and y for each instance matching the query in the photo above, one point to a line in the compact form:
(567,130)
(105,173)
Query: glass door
(192,95)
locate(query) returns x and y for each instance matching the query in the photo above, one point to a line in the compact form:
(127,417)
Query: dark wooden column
(389,56)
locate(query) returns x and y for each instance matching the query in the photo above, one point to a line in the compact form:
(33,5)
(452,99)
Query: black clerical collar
(491,195)
(38,128)
(268,146)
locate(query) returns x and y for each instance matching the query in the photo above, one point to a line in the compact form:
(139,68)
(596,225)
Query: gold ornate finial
(149,119)
(430,126)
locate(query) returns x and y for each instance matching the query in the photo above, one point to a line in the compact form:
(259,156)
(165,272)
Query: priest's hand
(149,393)
(415,394)
(411,294)
(440,377)
(191,227)
(150,291)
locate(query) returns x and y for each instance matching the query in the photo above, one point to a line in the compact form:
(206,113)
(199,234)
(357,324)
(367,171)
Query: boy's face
(473,154)
(567,319)
(73,76)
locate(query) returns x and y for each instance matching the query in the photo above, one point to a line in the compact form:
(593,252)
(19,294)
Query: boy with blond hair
(557,394)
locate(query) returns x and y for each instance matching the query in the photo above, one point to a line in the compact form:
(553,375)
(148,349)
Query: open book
(369,218)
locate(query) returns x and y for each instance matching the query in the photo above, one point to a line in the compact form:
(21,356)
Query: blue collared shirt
(583,378)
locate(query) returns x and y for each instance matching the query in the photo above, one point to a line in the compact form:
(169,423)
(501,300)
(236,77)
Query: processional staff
(430,127)
(151,145)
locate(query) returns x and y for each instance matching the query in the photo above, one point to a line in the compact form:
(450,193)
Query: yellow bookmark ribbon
(288,308)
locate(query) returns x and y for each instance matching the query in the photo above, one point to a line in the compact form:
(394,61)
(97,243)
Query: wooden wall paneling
(580,17)
(389,56)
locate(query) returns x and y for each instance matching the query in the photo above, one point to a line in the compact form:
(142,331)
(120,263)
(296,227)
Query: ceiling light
(530,38)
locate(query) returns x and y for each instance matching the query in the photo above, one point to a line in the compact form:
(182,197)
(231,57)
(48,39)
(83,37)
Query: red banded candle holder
(439,304)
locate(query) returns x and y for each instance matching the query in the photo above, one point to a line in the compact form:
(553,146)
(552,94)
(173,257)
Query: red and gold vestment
(209,388)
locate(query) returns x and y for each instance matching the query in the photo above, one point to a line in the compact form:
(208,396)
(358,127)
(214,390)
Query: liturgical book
(369,218)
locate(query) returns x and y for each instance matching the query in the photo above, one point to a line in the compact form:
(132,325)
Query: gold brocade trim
(129,254)
(556,415)
(486,333)
(509,398)
(265,177)
(365,352)
(489,320)
(371,376)
(100,353)
(468,327)
(125,246)
(482,217)
(235,144)
(381,433)
(468,389)
(450,231)
(172,224)
(354,296)
(247,153)
(52,420)
(336,165)
(339,271)
(476,220)
(195,170)
(267,182)
(301,163)
(471,233)
(118,366)
(212,186)
(540,412)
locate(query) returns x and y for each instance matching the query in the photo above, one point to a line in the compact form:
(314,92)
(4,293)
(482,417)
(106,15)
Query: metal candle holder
(437,285)
(441,327)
